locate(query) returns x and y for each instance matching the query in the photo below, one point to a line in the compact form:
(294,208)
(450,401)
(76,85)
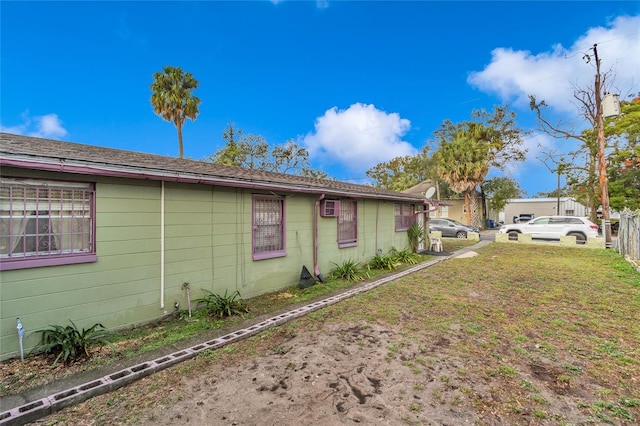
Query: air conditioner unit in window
(329,208)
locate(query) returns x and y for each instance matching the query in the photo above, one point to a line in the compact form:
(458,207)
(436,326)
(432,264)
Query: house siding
(208,236)
(454,211)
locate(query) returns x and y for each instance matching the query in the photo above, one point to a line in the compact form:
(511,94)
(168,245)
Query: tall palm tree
(462,163)
(172,99)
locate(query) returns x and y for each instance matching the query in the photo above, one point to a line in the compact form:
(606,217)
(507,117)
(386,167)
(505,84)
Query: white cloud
(44,126)
(359,137)
(50,126)
(552,75)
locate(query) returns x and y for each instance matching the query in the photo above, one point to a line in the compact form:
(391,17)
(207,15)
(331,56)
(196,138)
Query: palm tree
(462,163)
(172,99)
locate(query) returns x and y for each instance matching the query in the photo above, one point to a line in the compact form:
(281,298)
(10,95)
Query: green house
(99,235)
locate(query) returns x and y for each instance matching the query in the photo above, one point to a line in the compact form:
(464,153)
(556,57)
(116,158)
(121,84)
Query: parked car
(615,227)
(553,227)
(451,228)
(523,218)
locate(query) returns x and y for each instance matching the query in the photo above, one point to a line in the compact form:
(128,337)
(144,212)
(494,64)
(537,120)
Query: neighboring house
(98,235)
(422,189)
(452,208)
(543,207)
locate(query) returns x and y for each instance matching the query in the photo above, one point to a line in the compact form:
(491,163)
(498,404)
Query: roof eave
(101,169)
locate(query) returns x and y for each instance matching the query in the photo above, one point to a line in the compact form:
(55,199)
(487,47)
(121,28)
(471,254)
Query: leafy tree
(394,174)
(624,160)
(230,155)
(562,192)
(500,190)
(249,151)
(468,150)
(289,157)
(579,165)
(172,98)
(401,173)
(461,163)
(253,152)
(314,173)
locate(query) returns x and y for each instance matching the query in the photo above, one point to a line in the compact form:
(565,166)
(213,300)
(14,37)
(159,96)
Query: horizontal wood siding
(188,241)
(208,236)
(120,289)
(268,275)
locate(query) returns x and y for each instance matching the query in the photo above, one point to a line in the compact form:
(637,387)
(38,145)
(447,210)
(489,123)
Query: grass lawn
(528,328)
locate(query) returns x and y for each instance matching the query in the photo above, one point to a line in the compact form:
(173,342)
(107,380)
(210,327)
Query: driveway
(488,234)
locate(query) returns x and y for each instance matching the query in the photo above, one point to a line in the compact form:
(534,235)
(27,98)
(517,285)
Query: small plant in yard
(526,384)
(349,270)
(69,343)
(223,306)
(405,256)
(629,402)
(381,261)
(415,233)
(505,369)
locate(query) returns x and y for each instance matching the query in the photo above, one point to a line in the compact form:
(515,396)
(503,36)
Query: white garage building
(543,207)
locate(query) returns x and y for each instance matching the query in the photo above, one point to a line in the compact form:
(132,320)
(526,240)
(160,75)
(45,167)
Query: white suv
(553,227)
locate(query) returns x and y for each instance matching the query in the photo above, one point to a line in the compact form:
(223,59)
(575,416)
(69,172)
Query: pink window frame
(345,216)
(38,260)
(404,216)
(280,252)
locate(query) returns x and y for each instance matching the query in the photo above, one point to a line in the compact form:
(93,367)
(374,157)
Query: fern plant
(69,343)
(223,306)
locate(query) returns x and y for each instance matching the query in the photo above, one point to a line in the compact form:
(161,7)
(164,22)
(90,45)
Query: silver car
(451,228)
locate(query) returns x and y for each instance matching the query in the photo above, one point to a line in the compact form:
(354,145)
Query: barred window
(268,237)
(348,224)
(404,216)
(45,223)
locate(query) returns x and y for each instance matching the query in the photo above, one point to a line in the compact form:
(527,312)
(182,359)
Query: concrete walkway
(36,403)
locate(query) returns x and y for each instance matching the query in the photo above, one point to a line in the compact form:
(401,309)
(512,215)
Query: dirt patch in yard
(355,373)
(338,373)
(551,341)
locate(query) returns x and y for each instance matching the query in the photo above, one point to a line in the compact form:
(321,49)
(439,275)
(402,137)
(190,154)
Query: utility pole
(602,161)
(558,194)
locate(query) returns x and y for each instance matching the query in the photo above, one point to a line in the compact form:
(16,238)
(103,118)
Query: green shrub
(223,306)
(349,270)
(405,256)
(69,342)
(415,233)
(381,261)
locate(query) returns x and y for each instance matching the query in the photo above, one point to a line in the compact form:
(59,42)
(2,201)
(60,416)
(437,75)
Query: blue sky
(356,83)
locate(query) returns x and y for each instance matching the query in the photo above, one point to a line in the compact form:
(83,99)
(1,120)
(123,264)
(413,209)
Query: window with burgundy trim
(348,224)
(404,216)
(268,230)
(45,223)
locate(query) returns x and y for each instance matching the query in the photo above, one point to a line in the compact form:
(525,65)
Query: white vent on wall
(329,208)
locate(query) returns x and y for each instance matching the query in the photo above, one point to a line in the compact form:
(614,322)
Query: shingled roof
(46,154)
